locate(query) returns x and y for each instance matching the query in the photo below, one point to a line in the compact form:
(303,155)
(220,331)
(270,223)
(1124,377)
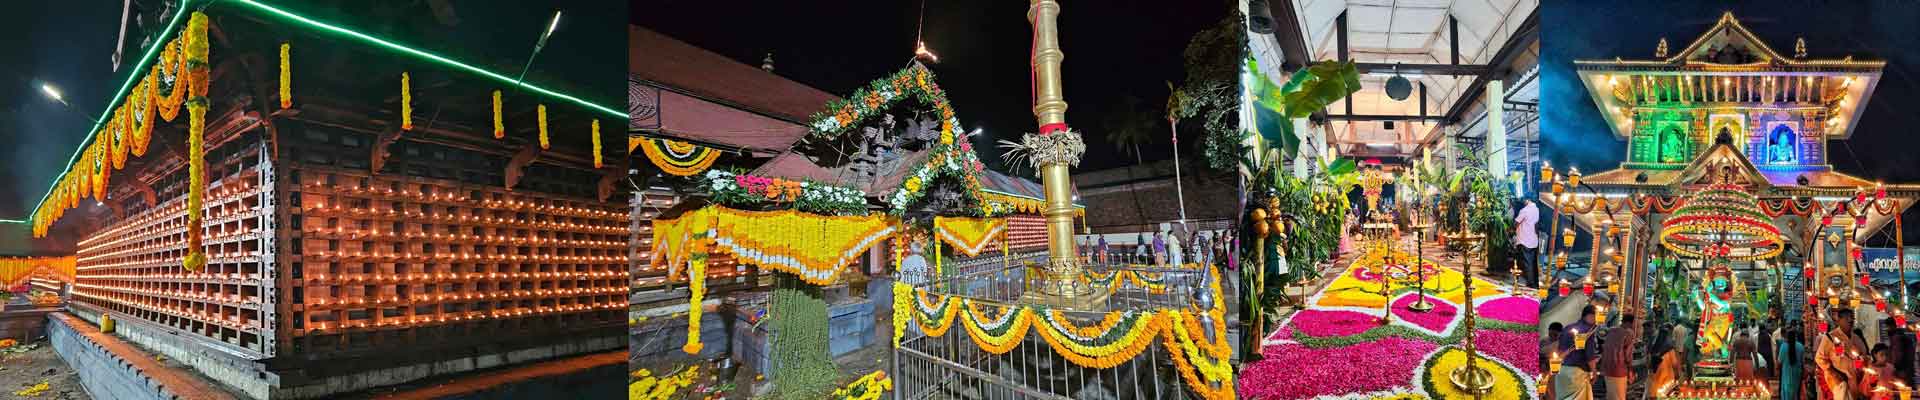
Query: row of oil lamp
(146,225)
(212,239)
(447,196)
(459,276)
(420,320)
(319,208)
(416,216)
(175,294)
(422,299)
(377,234)
(175,208)
(356,255)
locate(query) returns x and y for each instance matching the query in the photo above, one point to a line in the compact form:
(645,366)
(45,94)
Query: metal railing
(953,366)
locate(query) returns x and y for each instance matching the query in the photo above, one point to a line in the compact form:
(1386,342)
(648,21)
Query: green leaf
(1342,166)
(1316,86)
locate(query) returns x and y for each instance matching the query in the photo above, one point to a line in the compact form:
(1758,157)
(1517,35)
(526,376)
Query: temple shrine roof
(713,99)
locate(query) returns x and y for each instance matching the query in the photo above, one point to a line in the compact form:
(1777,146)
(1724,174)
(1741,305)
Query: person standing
(1524,235)
(1102,250)
(1616,357)
(1140,248)
(1838,349)
(1788,358)
(1176,255)
(1159,249)
(1574,381)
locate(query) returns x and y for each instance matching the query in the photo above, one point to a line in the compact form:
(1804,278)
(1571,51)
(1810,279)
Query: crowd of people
(1168,246)
(1868,360)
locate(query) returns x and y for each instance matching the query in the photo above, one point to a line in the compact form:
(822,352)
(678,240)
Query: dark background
(1882,146)
(1114,49)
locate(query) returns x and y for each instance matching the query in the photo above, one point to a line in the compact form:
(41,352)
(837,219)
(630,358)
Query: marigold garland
(541,113)
(868,387)
(406,102)
(969,236)
(15,271)
(499,126)
(678,158)
(286,77)
(115,138)
(596,144)
(697,284)
(174,71)
(902,310)
(196,140)
(817,248)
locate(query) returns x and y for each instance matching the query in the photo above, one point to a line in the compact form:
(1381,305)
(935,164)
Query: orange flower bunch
(873,100)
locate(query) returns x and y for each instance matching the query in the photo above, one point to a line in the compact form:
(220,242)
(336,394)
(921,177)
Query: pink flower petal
(1293,371)
(1519,349)
(1326,323)
(1435,320)
(1519,310)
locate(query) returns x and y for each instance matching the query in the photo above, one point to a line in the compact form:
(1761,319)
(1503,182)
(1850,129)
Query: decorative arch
(15,271)
(951,157)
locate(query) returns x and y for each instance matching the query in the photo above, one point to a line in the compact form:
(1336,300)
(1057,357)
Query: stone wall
(25,324)
(111,369)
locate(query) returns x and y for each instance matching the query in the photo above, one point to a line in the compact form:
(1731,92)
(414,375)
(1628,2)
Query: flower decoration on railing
(868,387)
(734,189)
(1200,351)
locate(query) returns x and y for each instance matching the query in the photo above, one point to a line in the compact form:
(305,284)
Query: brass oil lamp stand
(1470,378)
(1420,303)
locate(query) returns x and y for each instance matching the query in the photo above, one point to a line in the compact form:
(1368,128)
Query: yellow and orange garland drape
(1119,336)
(1016,203)
(968,235)
(676,157)
(197,81)
(15,270)
(541,117)
(128,131)
(286,77)
(406,102)
(499,127)
(817,248)
(697,285)
(596,143)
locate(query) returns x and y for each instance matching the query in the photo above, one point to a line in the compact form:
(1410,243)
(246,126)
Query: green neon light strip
(426,55)
(166,34)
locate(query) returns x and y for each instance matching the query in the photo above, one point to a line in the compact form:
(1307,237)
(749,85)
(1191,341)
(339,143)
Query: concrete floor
(28,364)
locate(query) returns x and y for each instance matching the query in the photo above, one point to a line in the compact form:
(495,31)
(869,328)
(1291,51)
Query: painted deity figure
(1672,146)
(1780,147)
(1715,302)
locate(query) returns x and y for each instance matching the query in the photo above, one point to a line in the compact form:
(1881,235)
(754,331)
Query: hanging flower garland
(969,236)
(143,103)
(115,138)
(596,144)
(675,157)
(1016,203)
(740,190)
(697,284)
(1718,219)
(915,82)
(406,103)
(286,77)
(15,271)
(541,113)
(817,248)
(902,310)
(996,333)
(197,75)
(1209,374)
(499,127)
(172,69)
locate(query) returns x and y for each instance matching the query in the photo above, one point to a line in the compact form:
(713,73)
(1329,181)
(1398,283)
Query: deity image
(1673,146)
(1780,146)
(1715,301)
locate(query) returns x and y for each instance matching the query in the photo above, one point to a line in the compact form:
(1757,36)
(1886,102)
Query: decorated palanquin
(1728,166)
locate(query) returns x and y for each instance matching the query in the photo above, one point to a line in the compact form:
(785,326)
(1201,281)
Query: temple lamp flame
(920,51)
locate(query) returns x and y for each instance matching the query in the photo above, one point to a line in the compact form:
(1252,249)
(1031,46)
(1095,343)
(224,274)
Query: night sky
(1113,50)
(1882,144)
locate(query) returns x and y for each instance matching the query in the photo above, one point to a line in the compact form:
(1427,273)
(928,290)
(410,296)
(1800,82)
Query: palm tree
(1128,130)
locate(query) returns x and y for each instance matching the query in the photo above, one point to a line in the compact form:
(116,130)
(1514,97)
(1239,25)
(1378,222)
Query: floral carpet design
(1338,348)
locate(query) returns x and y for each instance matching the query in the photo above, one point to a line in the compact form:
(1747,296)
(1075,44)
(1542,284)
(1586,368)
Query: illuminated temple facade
(348,250)
(1728,105)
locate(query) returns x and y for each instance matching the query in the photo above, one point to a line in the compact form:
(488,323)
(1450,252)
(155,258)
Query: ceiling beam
(1286,31)
(1420,69)
(1529,30)
(1378,117)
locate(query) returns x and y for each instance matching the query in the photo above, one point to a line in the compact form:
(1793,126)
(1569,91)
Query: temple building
(370,214)
(1727,192)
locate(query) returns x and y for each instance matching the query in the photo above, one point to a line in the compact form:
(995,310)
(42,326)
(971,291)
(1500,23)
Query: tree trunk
(799,317)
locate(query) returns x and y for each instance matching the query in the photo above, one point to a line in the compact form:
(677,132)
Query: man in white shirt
(1525,236)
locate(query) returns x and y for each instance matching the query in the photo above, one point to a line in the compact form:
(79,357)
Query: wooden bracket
(517,166)
(380,145)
